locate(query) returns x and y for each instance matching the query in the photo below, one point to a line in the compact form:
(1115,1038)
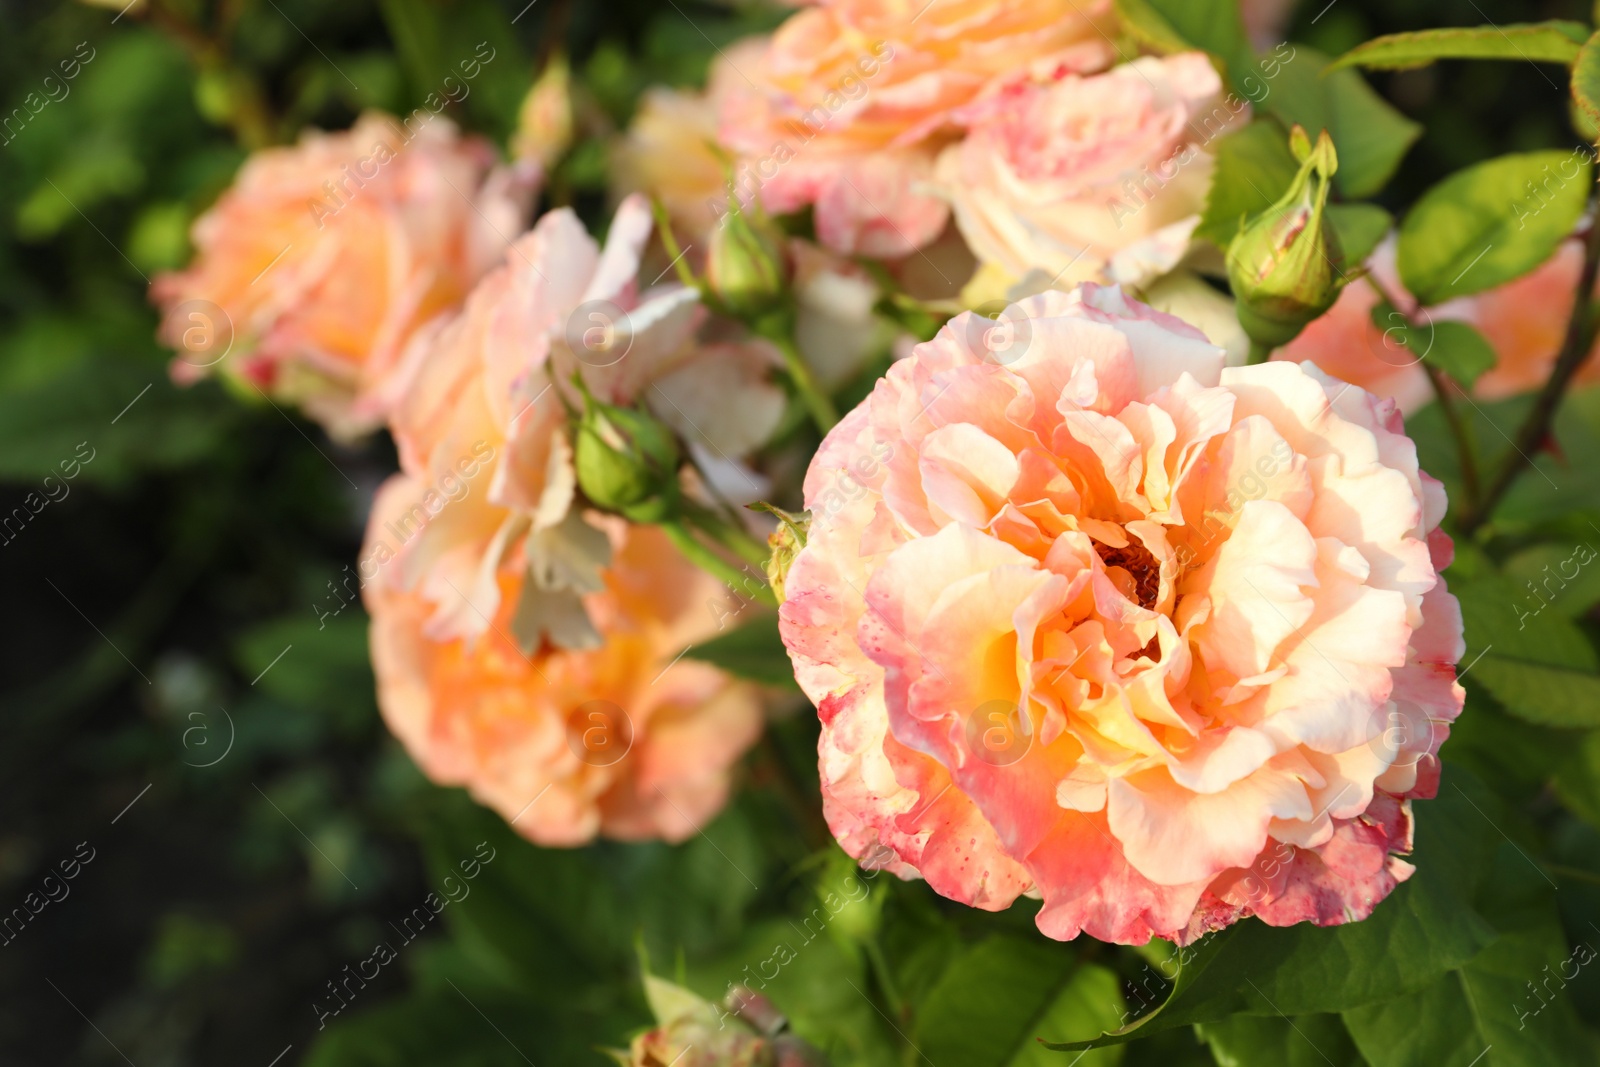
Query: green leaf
(1212,26)
(1460,351)
(1560,488)
(1254,167)
(556,917)
(1486,1013)
(820,987)
(105,419)
(1426,927)
(467,1024)
(322,666)
(1535,663)
(1359,227)
(995,1000)
(1562,572)
(1489,223)
(754,651)
(472,44)
(1371,135)
(1577,779)
(1586,80)
(1548,42)
(1303,1041)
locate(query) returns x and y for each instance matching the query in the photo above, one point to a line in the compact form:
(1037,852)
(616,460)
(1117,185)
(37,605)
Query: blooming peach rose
(492,380)
(319,264)
(1089,177)
(617,740)
(853,98)
(1161,642)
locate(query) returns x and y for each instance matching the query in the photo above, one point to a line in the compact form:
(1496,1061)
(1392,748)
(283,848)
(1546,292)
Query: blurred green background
(163,648)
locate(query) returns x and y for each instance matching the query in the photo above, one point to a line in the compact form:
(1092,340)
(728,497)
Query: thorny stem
(1536,427)
(1460,432)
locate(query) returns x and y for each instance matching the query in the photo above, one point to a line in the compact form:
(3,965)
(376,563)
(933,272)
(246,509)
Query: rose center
(1141,567)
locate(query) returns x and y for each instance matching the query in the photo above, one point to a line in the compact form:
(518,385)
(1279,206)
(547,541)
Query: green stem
(1574,873)
(669,244)
(726,533)
(1259,353)
(1458,430)
(737,580)
(1536,427)
(823,413)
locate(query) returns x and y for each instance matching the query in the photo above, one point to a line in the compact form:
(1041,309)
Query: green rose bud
(626,461)
(1284,265)
(746,268)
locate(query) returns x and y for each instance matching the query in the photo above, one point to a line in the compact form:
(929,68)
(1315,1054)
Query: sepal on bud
(626,460)
(784,544)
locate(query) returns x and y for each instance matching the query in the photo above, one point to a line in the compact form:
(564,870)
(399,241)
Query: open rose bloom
(852,99)
(1089,177)
(1161,643)
(315,269)
(504,618)
(619,739)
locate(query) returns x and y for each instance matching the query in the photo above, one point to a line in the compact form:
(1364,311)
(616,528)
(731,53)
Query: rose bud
(1284,264)
(544,122)
(745,268)
(626,461)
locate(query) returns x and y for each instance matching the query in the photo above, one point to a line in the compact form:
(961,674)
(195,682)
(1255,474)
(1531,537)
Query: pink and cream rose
(621,740)
(316,268)
(850,103)
(1160,642)
(1089,178)
(489,378)
(495,377)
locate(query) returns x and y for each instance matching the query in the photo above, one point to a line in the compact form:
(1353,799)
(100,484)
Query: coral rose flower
(1089,177)
(617,740)
(852,99)
(1525,320)
(1161,642)
(317,266)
